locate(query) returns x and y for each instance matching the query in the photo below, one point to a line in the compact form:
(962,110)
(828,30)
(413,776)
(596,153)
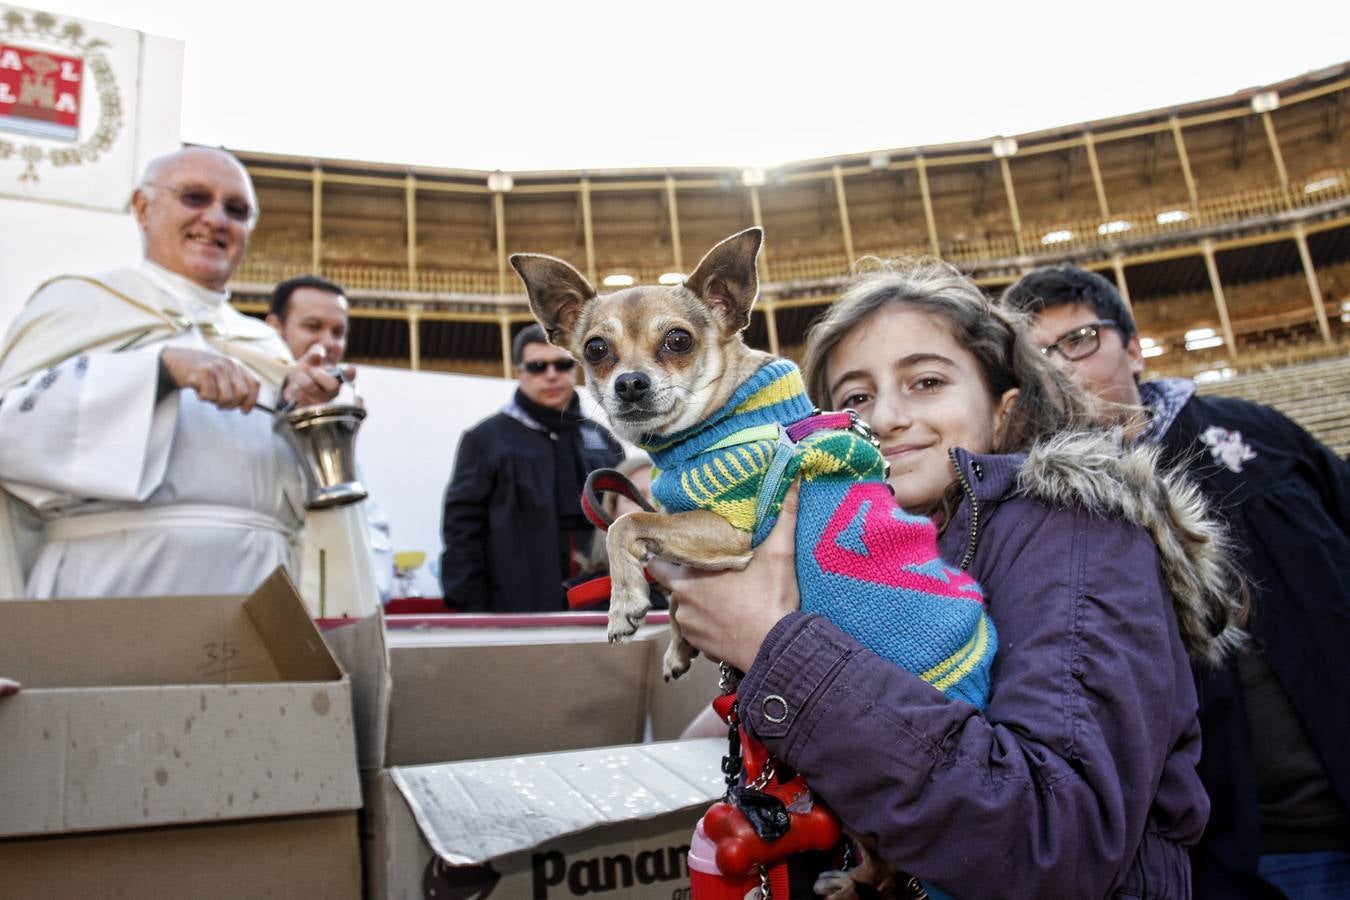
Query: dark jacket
(504,549)
(1289,511)
(1080,780)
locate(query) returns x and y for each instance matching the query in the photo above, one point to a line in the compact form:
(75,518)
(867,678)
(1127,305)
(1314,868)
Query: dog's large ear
(726,280)
(557,294)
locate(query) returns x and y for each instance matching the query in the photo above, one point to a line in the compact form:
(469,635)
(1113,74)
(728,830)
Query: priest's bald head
(196,209)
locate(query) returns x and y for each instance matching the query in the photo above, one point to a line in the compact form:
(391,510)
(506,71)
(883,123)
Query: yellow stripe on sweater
(965,660)
(784,387)
(717,487)
(727,474)
(740,513)
(736,464)
(686,485)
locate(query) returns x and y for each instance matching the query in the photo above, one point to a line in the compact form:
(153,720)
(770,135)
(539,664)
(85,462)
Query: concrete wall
(46,239)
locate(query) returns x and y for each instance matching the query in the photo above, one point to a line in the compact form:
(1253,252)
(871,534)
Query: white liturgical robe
(138,493)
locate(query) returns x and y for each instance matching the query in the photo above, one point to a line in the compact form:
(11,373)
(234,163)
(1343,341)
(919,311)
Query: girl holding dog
(1103,576)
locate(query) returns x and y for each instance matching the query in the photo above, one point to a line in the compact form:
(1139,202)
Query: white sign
(84,107)
(70,95)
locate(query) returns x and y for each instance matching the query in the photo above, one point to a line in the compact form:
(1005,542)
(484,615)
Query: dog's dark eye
(595,350)
(679,341)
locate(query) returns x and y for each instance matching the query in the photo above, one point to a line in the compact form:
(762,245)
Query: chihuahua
(729,428)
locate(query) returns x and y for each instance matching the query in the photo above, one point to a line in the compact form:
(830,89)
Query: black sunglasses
(200,198)
(538,366)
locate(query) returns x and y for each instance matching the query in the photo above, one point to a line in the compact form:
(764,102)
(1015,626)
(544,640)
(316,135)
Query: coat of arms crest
(44,62)
(40,92)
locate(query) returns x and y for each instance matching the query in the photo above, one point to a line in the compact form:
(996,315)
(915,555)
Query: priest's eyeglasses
(1080,343)
(539,366)
(199,198)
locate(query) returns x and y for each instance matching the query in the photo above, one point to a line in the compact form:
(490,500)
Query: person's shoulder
(1219,403)
(503,429)
(243,326)
(1087,479)
(1205,411)
(83,284)
(598,437)
(489,423)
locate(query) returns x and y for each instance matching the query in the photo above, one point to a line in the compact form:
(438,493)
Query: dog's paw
(627,610)
(624,622)
(835,884)
(676,660)
(621,631)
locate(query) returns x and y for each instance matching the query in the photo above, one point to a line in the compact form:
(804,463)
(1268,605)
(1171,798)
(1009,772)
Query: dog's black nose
(631,386)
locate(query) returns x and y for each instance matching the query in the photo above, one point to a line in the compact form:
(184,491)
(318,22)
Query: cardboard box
(426,700)
(613,821)
(672,705)
(468,692)
(293,857)
(138,713)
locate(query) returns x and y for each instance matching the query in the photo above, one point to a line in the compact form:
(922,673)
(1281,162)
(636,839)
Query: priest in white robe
(133,455)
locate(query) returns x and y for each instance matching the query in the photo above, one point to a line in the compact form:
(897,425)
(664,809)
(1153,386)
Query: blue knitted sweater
(862,561)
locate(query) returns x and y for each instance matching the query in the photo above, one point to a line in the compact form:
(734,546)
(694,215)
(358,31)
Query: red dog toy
(740,848)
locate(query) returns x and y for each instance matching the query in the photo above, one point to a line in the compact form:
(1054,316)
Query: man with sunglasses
(512,525)
(1276,718)
(131,408)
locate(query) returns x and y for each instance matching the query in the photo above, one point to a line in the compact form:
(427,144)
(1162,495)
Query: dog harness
(862,561)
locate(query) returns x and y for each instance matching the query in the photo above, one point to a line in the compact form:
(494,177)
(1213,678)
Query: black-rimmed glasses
(1080,343)
(538,366)
(198,198)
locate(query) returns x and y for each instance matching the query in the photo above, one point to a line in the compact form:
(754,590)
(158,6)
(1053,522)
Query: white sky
(543,85)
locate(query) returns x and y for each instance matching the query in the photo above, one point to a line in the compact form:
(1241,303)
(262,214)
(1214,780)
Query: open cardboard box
(428,699)
(460,692)
(613,820)
(155,713)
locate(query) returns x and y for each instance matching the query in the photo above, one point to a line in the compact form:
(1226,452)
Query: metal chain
(765,776)
(727,678)
(732,763)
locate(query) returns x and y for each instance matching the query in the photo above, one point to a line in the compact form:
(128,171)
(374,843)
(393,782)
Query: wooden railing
(808,268)
(445,281)
(273,259)
(1041,237)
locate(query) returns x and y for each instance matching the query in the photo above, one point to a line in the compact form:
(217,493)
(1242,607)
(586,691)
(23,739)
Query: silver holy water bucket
(324,438)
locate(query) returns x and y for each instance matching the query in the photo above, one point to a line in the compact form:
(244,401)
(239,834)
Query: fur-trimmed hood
(1092,469)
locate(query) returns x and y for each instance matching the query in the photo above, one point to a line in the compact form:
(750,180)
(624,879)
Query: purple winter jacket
(1079,781)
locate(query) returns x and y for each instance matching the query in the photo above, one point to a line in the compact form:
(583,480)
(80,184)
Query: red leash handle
(602,481)
(591,592)
(608,481)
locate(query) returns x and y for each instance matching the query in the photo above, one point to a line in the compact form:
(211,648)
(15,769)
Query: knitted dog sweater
(862,561)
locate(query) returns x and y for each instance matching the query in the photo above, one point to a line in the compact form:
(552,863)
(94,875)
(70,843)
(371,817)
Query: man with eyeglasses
(1276,718)
(131,405)
(512,523)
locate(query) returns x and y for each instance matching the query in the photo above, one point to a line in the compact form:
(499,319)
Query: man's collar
(1164,399)
(182,287)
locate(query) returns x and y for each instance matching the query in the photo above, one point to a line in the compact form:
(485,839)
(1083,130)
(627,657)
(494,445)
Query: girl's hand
(727,614)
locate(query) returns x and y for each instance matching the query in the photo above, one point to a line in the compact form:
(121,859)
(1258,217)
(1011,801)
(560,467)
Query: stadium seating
(1315,395)
(1184,208)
